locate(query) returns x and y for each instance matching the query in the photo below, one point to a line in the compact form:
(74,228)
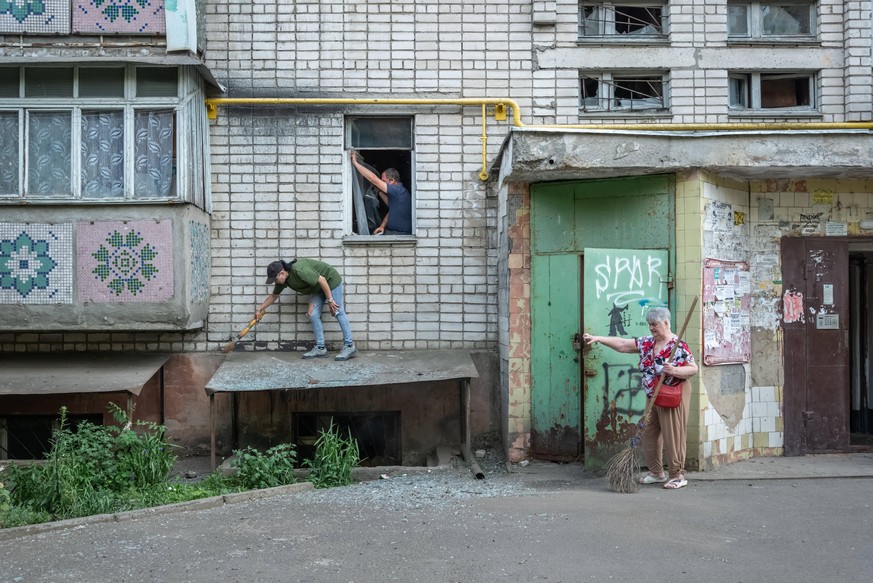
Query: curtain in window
(9,152)
(49,153)
(154,154)
(103,154)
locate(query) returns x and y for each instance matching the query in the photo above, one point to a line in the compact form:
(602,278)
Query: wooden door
(816,321)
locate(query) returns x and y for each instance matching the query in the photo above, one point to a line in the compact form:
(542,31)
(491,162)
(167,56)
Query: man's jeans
(318,300)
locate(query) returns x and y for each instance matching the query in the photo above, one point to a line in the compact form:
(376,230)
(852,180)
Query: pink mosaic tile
(125,261)
(119,16)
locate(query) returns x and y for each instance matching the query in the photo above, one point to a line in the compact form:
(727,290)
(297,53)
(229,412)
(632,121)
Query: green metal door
(555,364)
(620,285)
(568,218)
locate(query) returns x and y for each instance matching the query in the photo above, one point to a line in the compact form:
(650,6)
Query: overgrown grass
(96,469)
(335,458)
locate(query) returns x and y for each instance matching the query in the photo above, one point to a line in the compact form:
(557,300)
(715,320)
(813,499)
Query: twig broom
(621,470)
(229,346)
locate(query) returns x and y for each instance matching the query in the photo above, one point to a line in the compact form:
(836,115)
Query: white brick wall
(279,174)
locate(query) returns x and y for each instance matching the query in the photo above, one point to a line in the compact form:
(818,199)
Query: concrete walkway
(838,465)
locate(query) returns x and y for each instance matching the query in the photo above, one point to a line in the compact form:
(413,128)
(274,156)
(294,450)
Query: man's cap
(273,270)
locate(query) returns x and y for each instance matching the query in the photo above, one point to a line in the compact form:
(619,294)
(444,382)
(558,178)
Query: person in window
(667,427)
(398,220)
(325,286)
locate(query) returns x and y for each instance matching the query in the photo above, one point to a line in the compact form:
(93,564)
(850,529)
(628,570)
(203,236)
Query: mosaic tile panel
(36,263)
(119,16)
(35,16)
(125,261)
(200,262)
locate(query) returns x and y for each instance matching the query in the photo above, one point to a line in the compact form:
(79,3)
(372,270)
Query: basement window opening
(28,437)
(377,434)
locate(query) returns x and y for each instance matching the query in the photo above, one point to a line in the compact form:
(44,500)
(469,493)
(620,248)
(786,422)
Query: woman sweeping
(666,429)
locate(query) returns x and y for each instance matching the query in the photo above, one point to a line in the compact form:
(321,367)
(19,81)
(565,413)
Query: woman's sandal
(653,479)
(676,483)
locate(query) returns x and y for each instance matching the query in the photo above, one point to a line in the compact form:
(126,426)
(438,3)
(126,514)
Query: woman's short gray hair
(655,315)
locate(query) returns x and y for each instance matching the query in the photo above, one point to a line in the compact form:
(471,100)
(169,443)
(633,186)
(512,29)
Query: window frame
(380,153)
(754,24)
(606,90)
(188,93)
(606,23)
(753,91)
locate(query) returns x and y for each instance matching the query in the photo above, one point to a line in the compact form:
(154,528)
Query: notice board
(726,322)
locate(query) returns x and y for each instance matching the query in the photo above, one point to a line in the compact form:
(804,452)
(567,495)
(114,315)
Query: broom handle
(651,402)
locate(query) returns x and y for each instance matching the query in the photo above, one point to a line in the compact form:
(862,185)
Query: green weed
(275,467)
(335,458)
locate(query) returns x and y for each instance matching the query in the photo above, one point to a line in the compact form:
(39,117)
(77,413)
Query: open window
(772,91)
(637,92)
(622,20)
(771,21)
(381,143)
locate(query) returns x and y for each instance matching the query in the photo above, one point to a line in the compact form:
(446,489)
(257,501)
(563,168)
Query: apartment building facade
(570,163)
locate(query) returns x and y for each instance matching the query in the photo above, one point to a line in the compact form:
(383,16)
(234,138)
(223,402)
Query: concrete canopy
(81,372)
(551,154)
(269,371)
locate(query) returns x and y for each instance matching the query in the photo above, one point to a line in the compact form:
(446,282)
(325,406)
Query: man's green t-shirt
(303,277)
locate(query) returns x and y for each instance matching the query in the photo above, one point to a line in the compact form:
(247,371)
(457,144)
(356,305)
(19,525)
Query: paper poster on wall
(726,318)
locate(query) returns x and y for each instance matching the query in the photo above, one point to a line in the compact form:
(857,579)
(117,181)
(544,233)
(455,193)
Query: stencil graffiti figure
(617,320)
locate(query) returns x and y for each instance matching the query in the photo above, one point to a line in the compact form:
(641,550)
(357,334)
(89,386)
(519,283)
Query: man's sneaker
(347,352)
(316,352)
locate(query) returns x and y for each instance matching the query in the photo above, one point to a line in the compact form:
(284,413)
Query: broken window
(772,91)
(622,92)
(626,19)
(759,20)
(381,143)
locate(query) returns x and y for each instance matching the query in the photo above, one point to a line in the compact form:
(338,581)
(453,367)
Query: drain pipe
(465,431)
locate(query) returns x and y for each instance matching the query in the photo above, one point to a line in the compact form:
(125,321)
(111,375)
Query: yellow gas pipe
(500,105)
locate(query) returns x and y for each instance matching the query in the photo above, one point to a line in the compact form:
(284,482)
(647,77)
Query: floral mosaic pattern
(35,16)
(121,16)
(125,261)
(200,262)
(35,263)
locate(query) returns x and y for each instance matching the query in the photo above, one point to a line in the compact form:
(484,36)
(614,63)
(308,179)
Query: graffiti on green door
(620,285)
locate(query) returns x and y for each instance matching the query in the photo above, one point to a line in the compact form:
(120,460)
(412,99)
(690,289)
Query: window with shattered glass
(772,91)
(760,20)
(381,143)
(621,20)
(622,92)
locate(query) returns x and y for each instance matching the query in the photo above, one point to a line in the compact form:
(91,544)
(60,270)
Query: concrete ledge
(200,504)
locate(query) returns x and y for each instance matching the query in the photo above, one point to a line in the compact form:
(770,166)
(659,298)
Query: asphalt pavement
(766,519)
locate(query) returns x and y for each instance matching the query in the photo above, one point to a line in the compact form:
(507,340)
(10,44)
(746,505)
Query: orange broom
(229,346)
(621,470)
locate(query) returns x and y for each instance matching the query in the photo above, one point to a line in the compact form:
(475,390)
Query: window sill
(17,201)
(380,240)
(784,114)
(773,42)
(623,41)
(622,113)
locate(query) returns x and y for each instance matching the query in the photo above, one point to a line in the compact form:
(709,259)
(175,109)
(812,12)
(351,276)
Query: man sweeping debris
(324,285)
